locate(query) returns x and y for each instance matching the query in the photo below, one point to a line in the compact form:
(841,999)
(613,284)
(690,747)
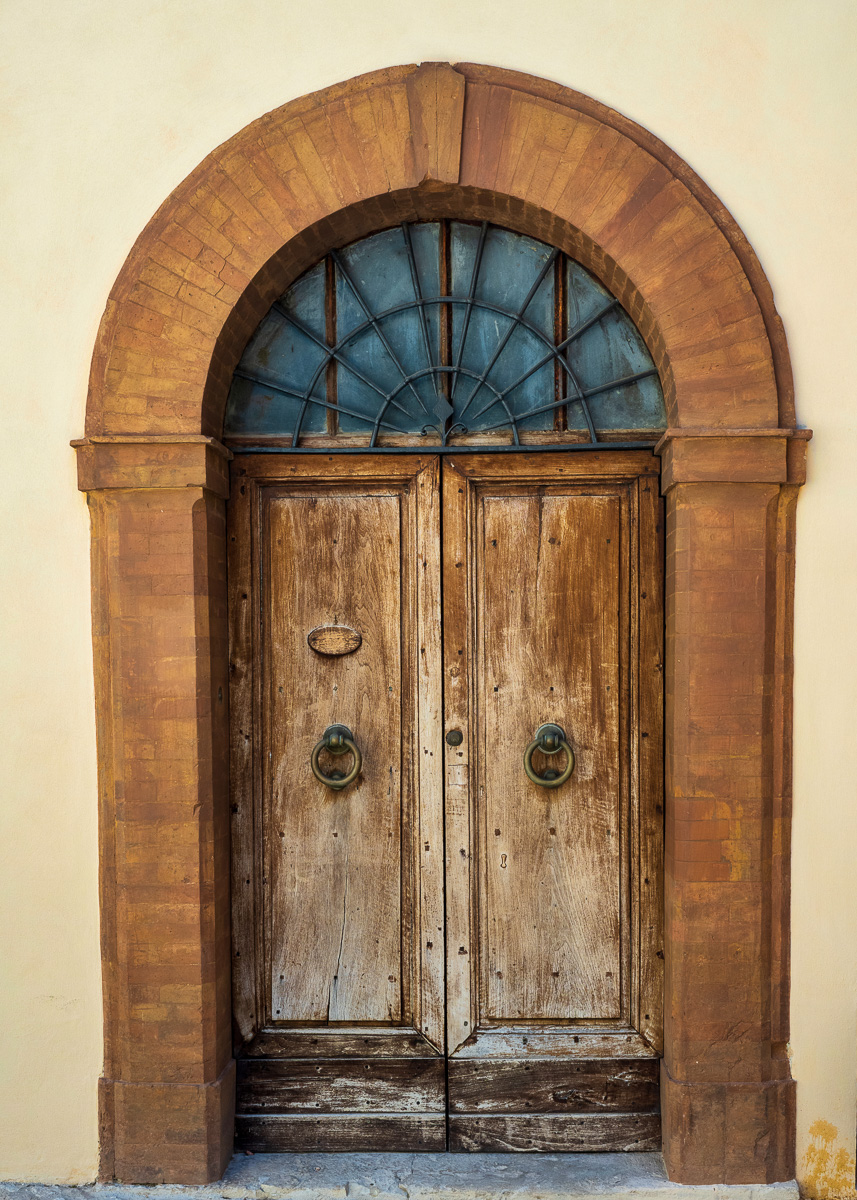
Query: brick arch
(424,141)
(420,142)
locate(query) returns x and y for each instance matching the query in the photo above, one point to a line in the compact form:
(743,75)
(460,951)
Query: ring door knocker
(550,739)
(336,739)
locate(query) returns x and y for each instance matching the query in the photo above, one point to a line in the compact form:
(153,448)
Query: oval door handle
(336,739)
(550,739)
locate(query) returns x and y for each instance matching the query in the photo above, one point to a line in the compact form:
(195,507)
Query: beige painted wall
(107,106)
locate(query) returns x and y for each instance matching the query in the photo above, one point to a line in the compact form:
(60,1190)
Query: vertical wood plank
(458,653)
(244,742)
(334,856)
(428,752)
(650,1016)
(548,650)
(629,736)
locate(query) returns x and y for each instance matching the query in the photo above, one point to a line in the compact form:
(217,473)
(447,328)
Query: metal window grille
(445,335)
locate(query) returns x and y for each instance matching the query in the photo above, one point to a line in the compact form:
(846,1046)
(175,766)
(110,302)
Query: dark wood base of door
(556,1133)
(581,1133)
(504,1105)
(316,1103)
(553,1105)
(331,1132)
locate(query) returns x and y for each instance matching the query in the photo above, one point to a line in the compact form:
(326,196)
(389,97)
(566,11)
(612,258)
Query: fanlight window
(445,334)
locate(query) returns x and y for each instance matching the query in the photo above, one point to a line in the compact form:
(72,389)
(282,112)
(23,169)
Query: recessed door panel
(335,892)
(548,650)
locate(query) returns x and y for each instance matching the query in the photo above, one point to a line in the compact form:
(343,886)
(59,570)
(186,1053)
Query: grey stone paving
(423,1177)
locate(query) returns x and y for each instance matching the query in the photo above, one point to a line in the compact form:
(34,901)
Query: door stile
(458,634)
(649,1015)
(629,830)
(427,752)
(245,760)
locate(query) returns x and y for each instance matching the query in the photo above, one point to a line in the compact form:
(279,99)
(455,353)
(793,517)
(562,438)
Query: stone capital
(152,461)
(733,456)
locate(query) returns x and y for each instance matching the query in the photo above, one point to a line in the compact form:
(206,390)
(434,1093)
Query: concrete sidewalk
(424,1177)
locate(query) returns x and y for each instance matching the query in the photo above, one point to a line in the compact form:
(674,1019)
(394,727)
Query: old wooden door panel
(339,1085)
(553,1085)
(339,1132)
(552,610)
(548,586)
(335,856)
(584,1133)
(342,929)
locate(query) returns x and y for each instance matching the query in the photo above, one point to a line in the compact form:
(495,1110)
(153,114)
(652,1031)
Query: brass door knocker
(550,739)
(336,739)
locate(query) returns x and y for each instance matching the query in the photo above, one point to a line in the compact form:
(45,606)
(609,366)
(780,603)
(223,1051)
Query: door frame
(320,172)
(444,1077)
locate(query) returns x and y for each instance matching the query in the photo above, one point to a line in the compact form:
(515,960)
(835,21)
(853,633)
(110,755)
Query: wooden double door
(456,949)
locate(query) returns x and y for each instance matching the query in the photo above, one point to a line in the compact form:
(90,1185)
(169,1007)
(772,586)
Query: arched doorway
(445,540)
(420,143)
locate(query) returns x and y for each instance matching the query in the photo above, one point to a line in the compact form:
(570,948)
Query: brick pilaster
(159,615)
(727,1098)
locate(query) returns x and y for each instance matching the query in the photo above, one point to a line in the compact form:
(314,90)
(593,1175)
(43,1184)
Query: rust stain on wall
(827,1171)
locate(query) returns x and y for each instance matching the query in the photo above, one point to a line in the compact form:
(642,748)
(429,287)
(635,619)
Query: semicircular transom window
(445,334)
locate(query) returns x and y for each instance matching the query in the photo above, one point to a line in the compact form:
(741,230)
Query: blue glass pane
(279,352)
(509,267)
(609,350)
(379,272)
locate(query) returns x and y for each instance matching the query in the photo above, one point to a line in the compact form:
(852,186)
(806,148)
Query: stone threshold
(423,1177)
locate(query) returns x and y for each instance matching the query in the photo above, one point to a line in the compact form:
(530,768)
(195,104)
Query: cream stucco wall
(107,105)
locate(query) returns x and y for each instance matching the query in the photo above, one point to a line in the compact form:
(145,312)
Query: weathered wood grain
(542,578)
(336,1132)
(544,582)
(282,469)
(426,751)
(245,761)
(351,938)
(556,468)
(331,1085)
(553,1085)
(548,570)
(584,1133)
(325,1042)
(461,950)
(334,865)
(650,664)
(559,1041)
